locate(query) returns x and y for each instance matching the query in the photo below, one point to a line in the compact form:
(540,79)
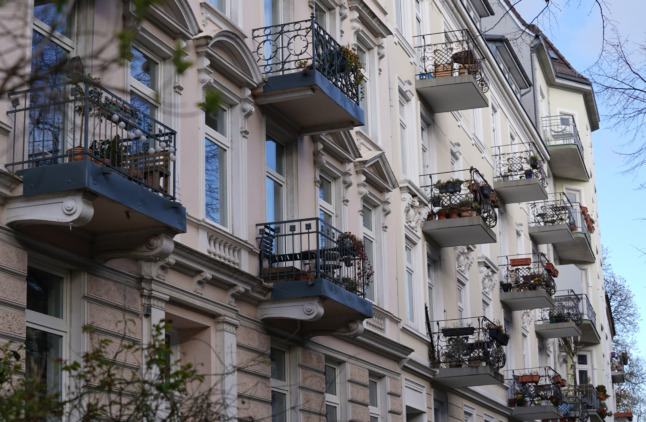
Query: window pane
(583,377)
(582,359)
(43,352)
(330,413)
(55,17)
(218,121)
(374,419)
(46,67)
(145,107)
(409,297)
(275,156)
(330,380)
(278,406)
(215,195)
(274,195)
(277,364)
(367,218)
(44,292)
(143,69)
(221,5)
(325,191)
(373,393)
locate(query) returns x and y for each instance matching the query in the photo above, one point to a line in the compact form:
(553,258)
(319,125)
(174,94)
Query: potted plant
(436,201)
(351,63)
(466,208)
(454,186)
(533,161)
(458,331)
(486,191)
(529,378)
(556,379)
(506,287)
(453,212)
(520,262)
(529,173)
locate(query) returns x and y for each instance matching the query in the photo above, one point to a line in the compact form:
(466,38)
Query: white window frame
(279,179)
(282,386)
(495,126)
(375,411)
(409,253)
(325,207)
(469,413)
(369,236)
(403,138)
(333,400)
(153,95)
(223,142)
(368,98)
(432,271)
(427,144)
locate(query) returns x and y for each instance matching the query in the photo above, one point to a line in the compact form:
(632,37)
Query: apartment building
(390,217)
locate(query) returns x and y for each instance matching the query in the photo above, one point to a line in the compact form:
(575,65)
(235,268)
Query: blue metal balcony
(79,138)
(311,83)
(319,277)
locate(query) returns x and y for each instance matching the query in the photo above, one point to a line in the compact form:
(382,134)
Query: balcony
(588,325)
(579,250)
(319,276)
(468,351)
(565,148)
(624,416)
(617,363)
(90,159)
(461,210)
(551,221)
(591,401)
(562,319)
(573,407)
(450,74)
(520,177)
(534,394)
(313,82)
(527,282)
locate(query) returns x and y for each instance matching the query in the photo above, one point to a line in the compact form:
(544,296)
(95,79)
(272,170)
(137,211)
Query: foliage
(132,381)
(365,271)
(353,64)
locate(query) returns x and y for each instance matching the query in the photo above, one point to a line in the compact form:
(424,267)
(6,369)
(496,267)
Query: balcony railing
(81,120)
(519,165)
(582,222)
(588,395)
(468,342)
(567,307)
(450,53)
(561,130)
(587,311)
(556,210)
(298,46)
(534,387)
(309,249)
(525,273)
(452,197)
(618,360)
(573,408)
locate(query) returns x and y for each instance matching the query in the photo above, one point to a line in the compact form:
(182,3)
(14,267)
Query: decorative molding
(155,270)
(144,245)
(352,328)
(488,279)
(526,320)
(378,320)
(223,249)
(319,156)
(362,186)
(464,258)
(60,209)
(413,211)
(226,324)
(234,291)
(153,299)
(204,73)
(199,281)
(247,110)
(295,309)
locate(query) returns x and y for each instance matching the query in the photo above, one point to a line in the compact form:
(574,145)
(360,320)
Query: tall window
(399,15)
(403,135)
(364,97)
(144,82)
(428,148)
(461,296)
(275,179)
(369,244)
(326,199)
(418,17)
(46,328)
(221,5)
(495,126)
(583,368)
(332,401)
(279,387)
(410,284)
(373,399)
(216,149)
(431,269)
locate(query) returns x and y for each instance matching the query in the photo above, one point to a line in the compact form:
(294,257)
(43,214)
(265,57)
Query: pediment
(375,167)
(176,18)
(229,55)
(340,145)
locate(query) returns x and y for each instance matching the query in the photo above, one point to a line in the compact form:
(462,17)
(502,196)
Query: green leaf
(211,102)
(178,58)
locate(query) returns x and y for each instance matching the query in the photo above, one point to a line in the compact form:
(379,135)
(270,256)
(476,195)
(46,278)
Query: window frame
(153,95)
(278,385)
(333,400)
(278,179)
(409,251)
(223,142)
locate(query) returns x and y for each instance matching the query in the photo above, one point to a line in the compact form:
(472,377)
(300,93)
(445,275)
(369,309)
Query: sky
(574,26)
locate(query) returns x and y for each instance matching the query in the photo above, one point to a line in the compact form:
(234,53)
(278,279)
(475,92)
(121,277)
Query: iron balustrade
(450,53)
(618,360)
(567,307)
(578,222)
(518,165)
(561,130)
(473,193)
(556,210)
(518,276)
(468,342)
(587,310)
(573,407)
(309,249)
(81,120)
(588,395)
(534,387)
(301,46)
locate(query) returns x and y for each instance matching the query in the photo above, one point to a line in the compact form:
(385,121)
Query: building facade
(426,235)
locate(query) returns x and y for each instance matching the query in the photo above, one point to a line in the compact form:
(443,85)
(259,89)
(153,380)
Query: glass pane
(367,218)
(44,292)
(278,406)
(55,16)
(221,5)
(143,69)
(325,191)
(46,67)
(275,153)
(215,195)
(373,393)
(409,297)
(144,106)
(320,15)
(277,364)
(330,380)
(274,200)
(374,418)
(582,359)
(330,413)
(218,121)
(43,352)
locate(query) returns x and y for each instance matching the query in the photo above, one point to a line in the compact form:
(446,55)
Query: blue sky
(574,26)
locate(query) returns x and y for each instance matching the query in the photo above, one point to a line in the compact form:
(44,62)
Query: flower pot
(430,216)
(441,215)
(458,331)
(76,154)
(556,379)
(519,262)
(584,209)
(511,402)
(436,202)
(533,163)
(528,174)
(563,382)
(453,187)
(443,70)
(453,214)
(467,212)
(529,379)
(486,191)
(506,287)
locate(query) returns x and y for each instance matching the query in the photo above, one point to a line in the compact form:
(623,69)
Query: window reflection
(55,15)
(215,182)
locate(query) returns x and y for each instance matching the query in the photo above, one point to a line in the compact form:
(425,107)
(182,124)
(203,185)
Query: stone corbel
(346,179)
(153,300)
(319,156)
(204,73)
(155,270)
(60,209)
(247,110)
(233,292)
(526,319)
(295,309)
(353,328)
(412,210)
(362,186)
(199,281)
(464,258)
(143,246)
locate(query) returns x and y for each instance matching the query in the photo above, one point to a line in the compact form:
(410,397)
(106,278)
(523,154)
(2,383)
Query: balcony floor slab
(528,299)
(557,329)
(578,250)
(530,413)
(522,190)
(566,162)
(451,93)
(459,231)
(551,233)
(618,376)
(589,333)
(468,376)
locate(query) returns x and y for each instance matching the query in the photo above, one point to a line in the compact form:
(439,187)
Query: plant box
(529,379)
(518,262)
(458,331)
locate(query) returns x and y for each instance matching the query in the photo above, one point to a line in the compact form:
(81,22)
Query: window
(469,414)
(221,5)
(418,17)
(373,399)
(440,407)
(321,16)
(46,328)
(410,284)
(326,200)
(279,387)
(275,179)
(216,151)
(364,95)
(583,368)
(495,126)
(399,15)
(369,245)
(428,148)
(332,401)
(476,120)
(461,287)
(403,135)
(431,270)
(144,82)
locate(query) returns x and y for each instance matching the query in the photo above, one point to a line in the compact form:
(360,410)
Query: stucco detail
(113,320)
(13,322)
(13,289)
(295,309)
(114,292)
(65,209)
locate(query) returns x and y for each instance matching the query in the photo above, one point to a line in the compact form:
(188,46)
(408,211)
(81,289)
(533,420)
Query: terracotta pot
(76,154)
(518,262)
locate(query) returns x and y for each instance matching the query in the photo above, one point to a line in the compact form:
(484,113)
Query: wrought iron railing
(310,249)
(519,165)
(587,310)
(453,197)
(467,342)
(74,121)
(567,307)
(556,210)
(573,407)
(520,273)
(450,53)
(581,219)
(304,45)
(561,130)
(618,360)
(588,395)
(534,387)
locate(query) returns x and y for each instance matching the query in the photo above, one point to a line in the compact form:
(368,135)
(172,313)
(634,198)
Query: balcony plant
(365,271)
(456,351)
(110,150)
(533,161)
(458,331)
(351,63)
(466,208)
(529,378)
